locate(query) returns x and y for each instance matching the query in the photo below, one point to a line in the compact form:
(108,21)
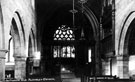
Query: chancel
(67,40)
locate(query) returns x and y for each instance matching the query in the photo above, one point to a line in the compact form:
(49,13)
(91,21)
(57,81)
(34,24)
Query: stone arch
(122,50)
(95,26)
(16,39)
(89,14)
(21,25)
(123,55)
(31,54)
(93,20)
(17,33)
(32,43)
(19,28)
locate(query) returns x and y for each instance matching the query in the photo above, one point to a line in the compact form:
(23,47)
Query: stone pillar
(122,63)
(20,68)
(2,64)
(106,67)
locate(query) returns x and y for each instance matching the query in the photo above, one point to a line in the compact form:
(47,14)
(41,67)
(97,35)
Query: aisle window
(9,55)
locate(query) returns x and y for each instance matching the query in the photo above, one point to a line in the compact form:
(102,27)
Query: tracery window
(64,33)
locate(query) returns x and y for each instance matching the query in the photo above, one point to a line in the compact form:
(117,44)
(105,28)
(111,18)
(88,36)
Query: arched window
(64,33)
(9,56)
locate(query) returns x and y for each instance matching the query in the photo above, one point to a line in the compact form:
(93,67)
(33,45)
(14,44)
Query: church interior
(67,40)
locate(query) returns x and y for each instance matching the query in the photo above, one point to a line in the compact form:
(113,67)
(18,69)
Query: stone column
(106,67)
(2,64)
(20,68)
(122,63)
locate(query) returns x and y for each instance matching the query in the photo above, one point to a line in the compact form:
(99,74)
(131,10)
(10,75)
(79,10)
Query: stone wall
(26,12)
(124,15)
(123,9)
(23,11)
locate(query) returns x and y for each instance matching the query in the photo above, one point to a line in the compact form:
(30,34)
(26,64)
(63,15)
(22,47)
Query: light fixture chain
(73,11)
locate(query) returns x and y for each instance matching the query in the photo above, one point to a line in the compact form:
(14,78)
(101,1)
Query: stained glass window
(64,33)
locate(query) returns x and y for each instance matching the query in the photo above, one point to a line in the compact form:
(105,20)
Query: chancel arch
(56,40)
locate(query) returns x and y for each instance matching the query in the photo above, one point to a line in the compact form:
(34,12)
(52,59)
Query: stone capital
(20,58)
(2,64)
(3,53)
(123,58)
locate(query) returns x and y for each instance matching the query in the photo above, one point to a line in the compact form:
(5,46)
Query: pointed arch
(32,44)
(18,30)
(16,38)
(19,45)
(122,46)
(92,19)
(21,24)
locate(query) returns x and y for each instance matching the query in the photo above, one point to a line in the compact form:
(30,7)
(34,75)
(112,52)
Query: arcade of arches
(67,38)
